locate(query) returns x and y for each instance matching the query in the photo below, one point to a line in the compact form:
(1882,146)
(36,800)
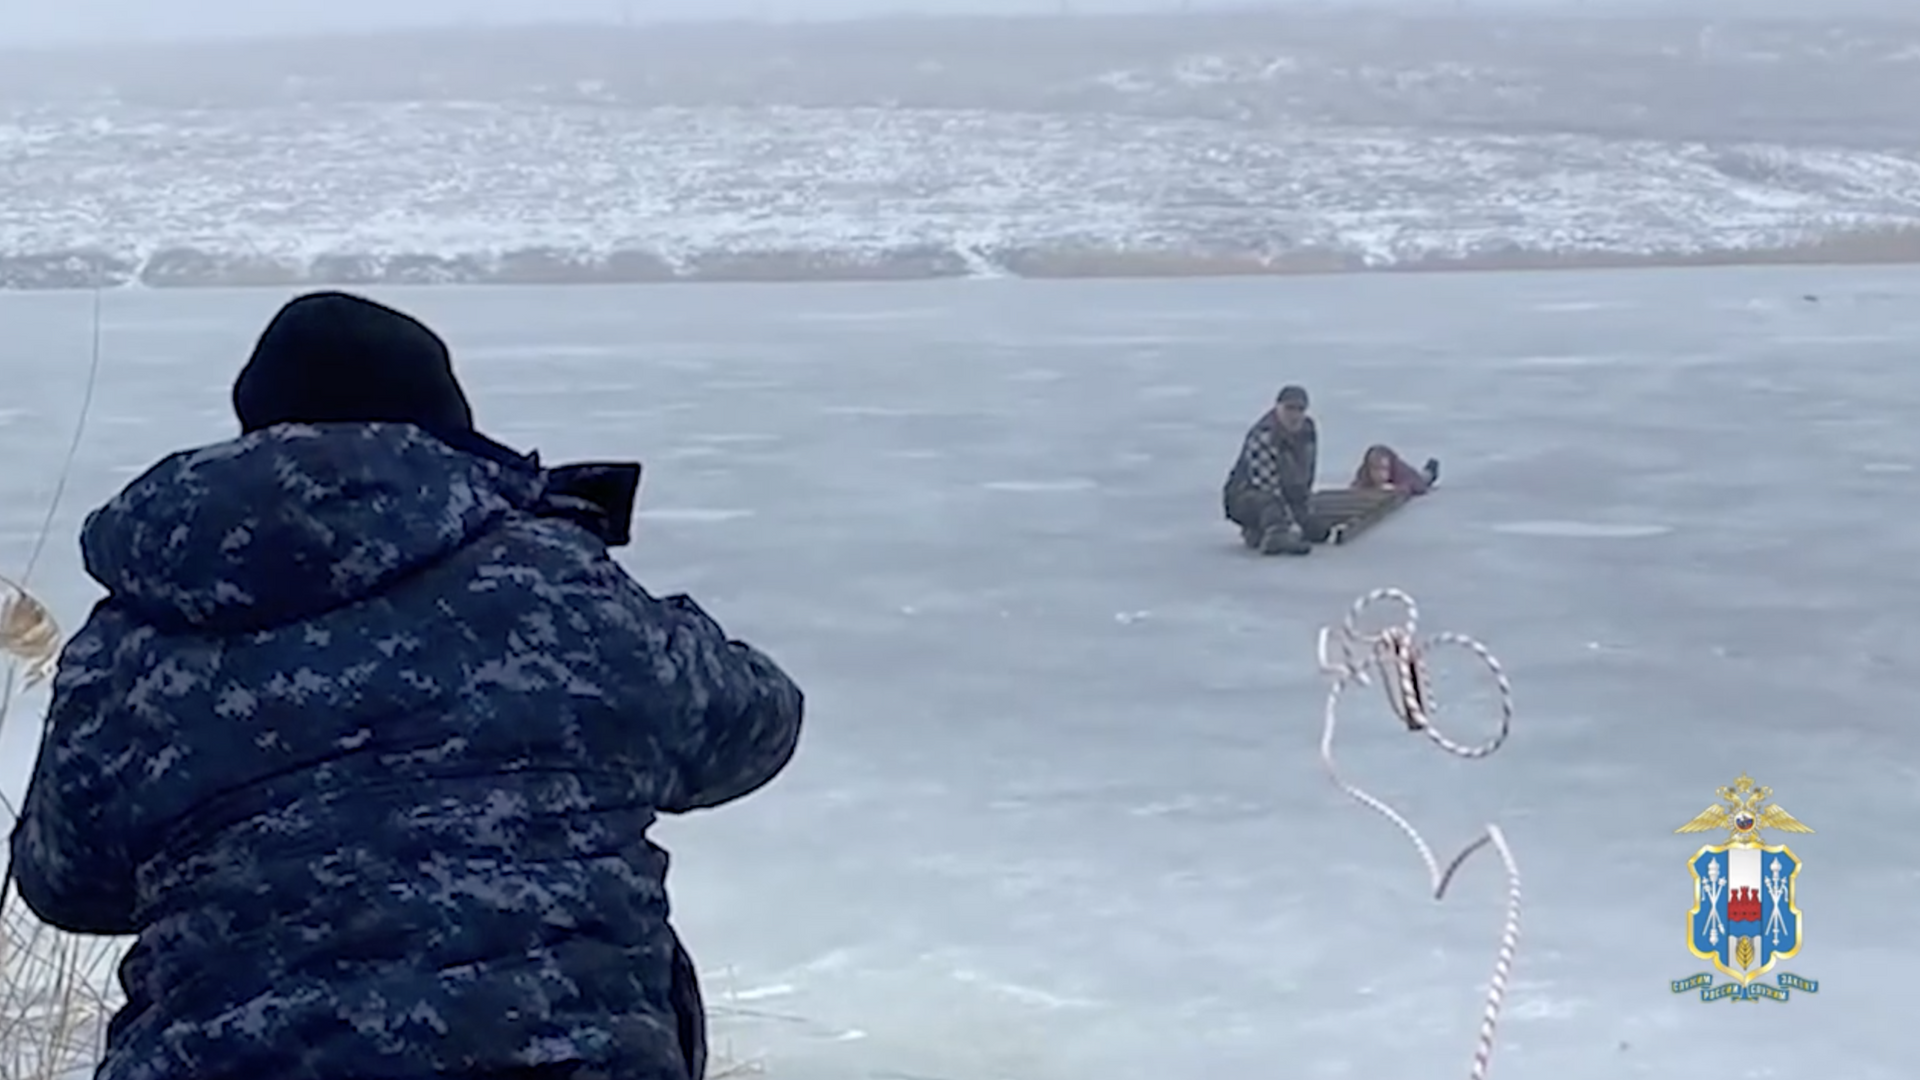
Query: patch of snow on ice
(1582,530)
(538,351)
(693,515)
(745,384)
(871,410)
(761,993)
(1833,339)
(877,315)
(1562,361)
(1040,487)
(1583,305)
(736,438)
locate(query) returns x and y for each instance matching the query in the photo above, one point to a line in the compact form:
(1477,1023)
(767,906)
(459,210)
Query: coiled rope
(1396,658)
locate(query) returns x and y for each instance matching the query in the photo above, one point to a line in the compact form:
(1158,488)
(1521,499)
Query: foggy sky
(23,23)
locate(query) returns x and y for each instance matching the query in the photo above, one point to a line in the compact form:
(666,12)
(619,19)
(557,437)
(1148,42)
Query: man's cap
(1293,395)
(334,357)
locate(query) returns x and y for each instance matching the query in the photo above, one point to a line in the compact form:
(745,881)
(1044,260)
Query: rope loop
(1395,658)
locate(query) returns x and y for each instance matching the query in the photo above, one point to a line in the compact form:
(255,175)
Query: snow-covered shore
(1359,146)
(486,192)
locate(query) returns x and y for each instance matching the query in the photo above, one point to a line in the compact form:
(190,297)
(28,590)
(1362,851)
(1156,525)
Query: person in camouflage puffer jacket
(1268,491)
(365,739)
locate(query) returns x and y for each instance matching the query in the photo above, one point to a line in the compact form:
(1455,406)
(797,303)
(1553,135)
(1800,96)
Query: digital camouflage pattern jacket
(364,744)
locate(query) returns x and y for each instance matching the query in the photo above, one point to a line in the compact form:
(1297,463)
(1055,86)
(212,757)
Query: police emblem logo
(1746,917)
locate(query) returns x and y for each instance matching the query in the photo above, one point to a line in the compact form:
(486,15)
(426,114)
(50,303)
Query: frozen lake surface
(1059,811)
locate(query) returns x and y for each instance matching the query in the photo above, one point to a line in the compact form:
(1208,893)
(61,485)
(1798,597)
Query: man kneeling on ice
(366,737)
(1268,492)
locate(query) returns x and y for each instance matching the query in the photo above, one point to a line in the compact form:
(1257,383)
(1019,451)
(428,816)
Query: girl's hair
(1399,474)
(1363,477)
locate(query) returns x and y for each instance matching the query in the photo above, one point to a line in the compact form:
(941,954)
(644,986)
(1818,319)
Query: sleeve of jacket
(729,716)
(69,855)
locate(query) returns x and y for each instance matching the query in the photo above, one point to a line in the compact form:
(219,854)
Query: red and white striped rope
(1396,658)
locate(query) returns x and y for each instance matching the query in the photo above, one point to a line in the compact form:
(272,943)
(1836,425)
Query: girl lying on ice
(1382,467)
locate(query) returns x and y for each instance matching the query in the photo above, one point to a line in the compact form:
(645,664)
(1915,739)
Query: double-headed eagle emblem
(1745,813)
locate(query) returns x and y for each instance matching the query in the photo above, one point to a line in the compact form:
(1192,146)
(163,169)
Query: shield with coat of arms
(1744,919)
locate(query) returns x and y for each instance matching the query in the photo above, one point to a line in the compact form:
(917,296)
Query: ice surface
(1058,813)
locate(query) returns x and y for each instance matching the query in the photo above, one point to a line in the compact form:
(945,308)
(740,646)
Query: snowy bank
(1244,142)
(420,192)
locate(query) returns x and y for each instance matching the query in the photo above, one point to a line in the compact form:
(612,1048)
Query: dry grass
(57,990)
(1896,244)
(905,264)
(1889,245)
(1882,246)
(28,633)
(183,268)
(724,1060)
(1124,263)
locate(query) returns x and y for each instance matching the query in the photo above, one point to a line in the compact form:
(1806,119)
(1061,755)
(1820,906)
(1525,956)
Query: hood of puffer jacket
(286,523)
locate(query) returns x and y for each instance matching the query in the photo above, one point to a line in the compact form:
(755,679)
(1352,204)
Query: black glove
(598,496)
(1432,470)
